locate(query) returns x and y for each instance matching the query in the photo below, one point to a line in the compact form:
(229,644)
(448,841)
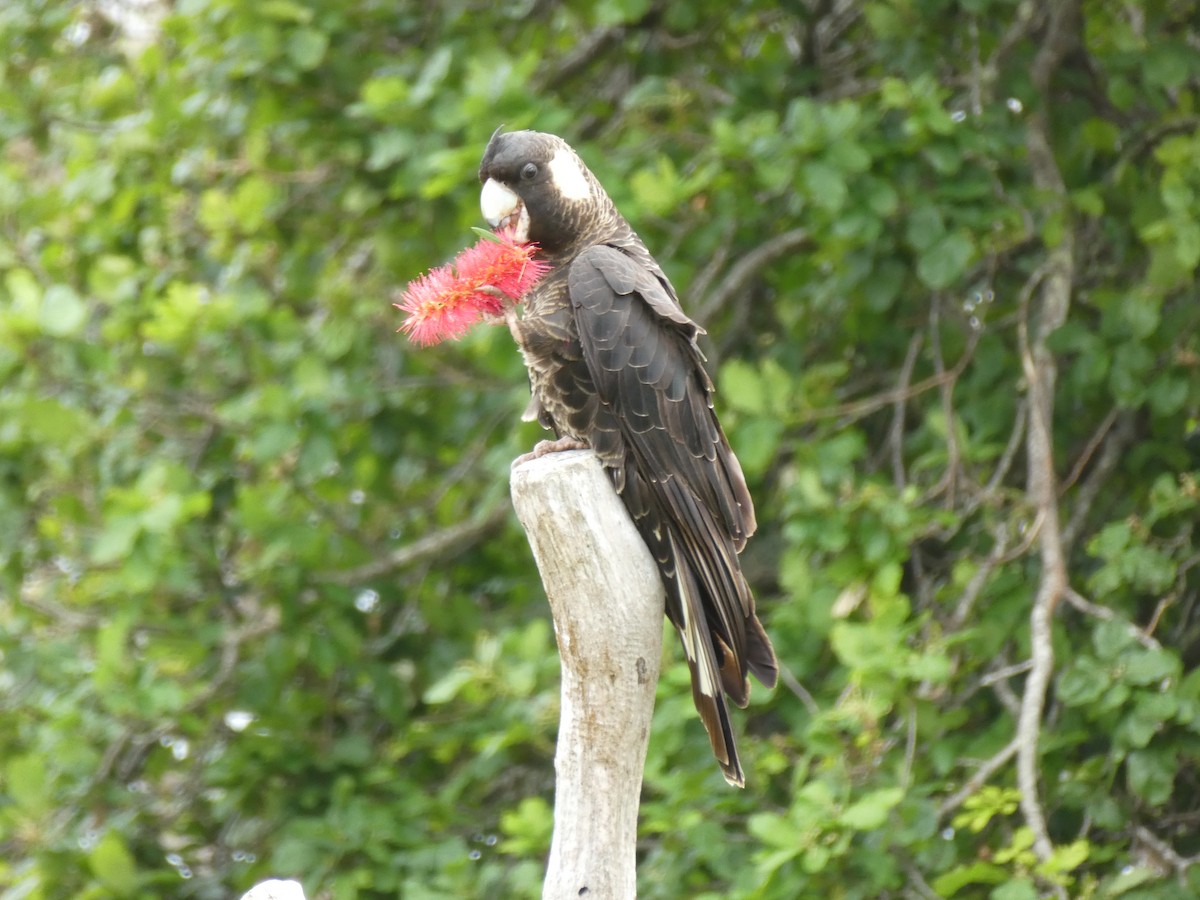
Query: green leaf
(1112,637)
(959,877)
(776,831)
(116,540)
(113,865)
(448,686)
(1130,371)
(757,443)
(486,234)
(528,827)
(946,260)
(1128,880)
(1017,889)
(27,783)
(870,812)
(658,188)
(1187,242)
(62,313)
(1149,666)
(1170,65)
(826,185)
(742,387)
(1083,682)
(617,12)
(1151,774)
(306,48)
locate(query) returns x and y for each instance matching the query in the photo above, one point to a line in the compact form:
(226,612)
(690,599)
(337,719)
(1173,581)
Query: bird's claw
(542,448)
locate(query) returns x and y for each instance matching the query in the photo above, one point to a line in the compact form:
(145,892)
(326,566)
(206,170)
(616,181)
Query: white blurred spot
(848,600)
(138,20)
(367,601)
(1014,105)
(238,719)
(275,890)
(77,33)
(958,116)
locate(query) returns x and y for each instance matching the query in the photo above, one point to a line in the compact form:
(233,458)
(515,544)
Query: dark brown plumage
(613,362)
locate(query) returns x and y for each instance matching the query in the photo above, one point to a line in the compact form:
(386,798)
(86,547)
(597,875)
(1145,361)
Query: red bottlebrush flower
(502,263)
(439,306)
(445,303)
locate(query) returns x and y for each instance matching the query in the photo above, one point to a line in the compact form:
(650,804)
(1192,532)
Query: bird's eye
(529,172)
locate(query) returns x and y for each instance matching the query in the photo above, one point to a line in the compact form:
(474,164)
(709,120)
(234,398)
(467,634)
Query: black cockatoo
(614,365)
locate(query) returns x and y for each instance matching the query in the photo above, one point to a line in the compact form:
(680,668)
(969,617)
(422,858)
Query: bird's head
(537,183)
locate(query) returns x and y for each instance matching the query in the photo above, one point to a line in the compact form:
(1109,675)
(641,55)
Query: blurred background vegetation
(265,610)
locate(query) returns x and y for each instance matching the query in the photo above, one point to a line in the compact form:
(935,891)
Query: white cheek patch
(567,176)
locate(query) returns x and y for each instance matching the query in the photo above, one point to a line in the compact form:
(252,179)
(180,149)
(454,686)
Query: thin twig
(978,780)
(1015,440)
(976,583)
(746,268)
(857,409)
(917,882)
(1093,444)
(1004,693)
(708,273)
(438,544)
(1086,606)
(1165,851)
(586,51)
(910,746)
(1005,672)
(900,407)
(946,389)
(792,683)
(1098,476)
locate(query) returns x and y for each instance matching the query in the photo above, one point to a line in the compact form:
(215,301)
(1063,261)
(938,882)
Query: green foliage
(222,655)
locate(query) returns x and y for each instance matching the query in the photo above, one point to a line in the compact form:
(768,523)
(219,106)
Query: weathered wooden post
(606,598)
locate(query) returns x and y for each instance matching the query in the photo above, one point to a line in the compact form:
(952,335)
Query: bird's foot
(508,317)
(544,447)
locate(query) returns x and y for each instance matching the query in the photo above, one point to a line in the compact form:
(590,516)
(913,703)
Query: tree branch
(900,407)
(1165,851)
(1112,450)
(978,780)
(746,268)
(441,543)
(1040,369)
(1087,607)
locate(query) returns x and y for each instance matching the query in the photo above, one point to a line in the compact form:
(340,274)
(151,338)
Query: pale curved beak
(502,207)
(497,202)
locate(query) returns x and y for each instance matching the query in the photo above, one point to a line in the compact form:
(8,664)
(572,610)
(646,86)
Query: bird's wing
(679,478)
(641,353)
